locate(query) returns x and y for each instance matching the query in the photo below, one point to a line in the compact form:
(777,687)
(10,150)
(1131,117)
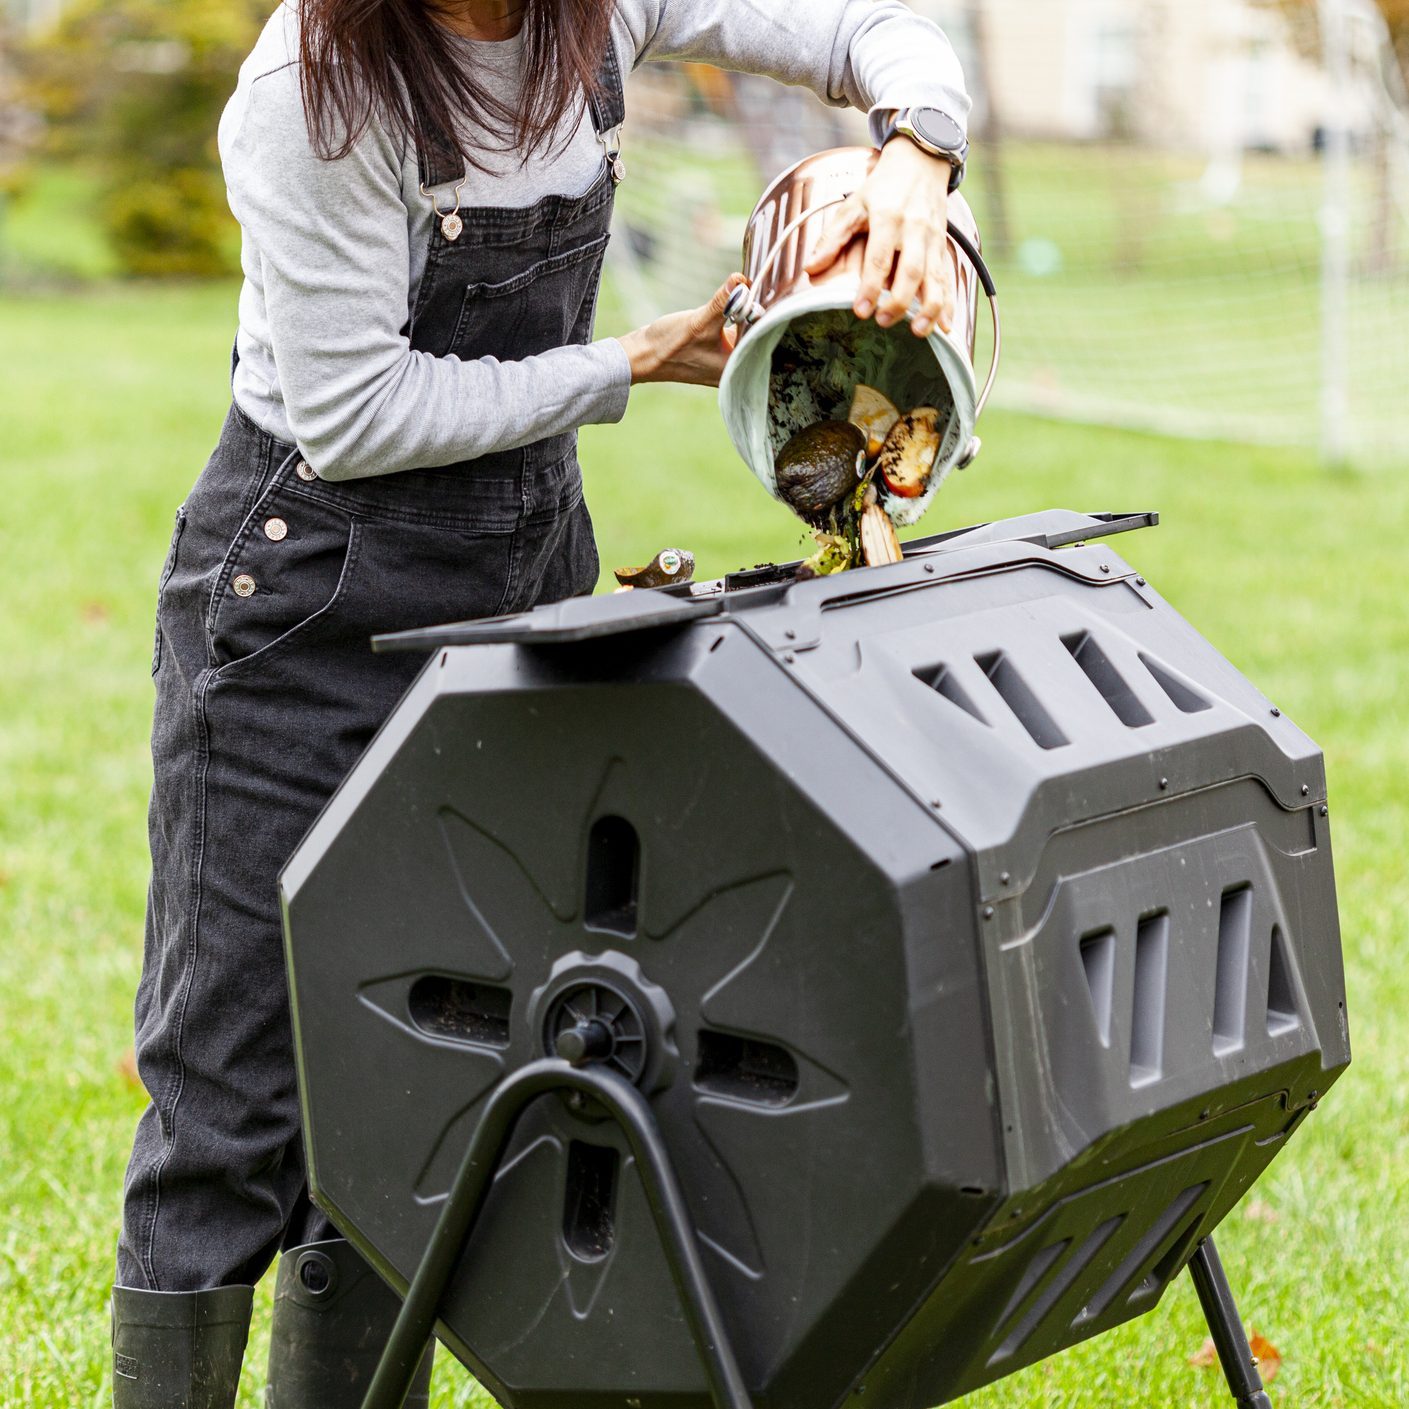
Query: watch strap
(958,160)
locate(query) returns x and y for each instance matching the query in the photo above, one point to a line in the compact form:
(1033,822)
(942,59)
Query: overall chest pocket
(535,311)
(282,580)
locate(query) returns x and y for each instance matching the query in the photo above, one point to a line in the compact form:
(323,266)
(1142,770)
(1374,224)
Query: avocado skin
(817,467)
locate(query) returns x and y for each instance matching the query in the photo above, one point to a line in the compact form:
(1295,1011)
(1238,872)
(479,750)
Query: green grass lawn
(108,407)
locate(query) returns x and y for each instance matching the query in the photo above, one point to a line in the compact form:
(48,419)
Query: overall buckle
(611,145)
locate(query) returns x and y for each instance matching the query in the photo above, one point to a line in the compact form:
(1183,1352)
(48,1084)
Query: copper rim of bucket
(796,206)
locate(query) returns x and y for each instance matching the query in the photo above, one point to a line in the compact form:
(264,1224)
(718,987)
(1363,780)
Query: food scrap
(879,544)
(842,476)
(820,466)
(907,459)
(671,567)
(874,414)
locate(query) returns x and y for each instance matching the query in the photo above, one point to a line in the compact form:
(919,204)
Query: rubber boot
(332,1320)
(179,1350)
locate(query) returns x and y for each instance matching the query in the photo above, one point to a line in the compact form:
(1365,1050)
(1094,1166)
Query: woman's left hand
(691,348)
(905,207)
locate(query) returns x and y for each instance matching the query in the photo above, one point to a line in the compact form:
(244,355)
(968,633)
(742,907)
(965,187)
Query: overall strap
(608,103)
(443,167)
(440,166)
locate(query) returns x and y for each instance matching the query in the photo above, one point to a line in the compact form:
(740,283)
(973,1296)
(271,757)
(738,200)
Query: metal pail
(802,351)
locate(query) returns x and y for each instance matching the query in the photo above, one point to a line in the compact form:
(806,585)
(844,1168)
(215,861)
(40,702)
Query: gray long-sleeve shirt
(333,252)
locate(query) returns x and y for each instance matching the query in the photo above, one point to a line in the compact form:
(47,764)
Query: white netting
(1151,177)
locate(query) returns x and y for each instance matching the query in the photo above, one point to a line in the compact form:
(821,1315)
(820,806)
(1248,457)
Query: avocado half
(819,466)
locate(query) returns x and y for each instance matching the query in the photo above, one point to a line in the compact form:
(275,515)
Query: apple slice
(909,454)
(874,415)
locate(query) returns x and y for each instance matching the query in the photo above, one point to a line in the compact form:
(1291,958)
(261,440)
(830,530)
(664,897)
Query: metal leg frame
(1226,1327)
(421,1309)
(626,1105)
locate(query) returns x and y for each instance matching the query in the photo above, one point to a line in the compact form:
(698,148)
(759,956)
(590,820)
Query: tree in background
(1381,255)
(1304,17)
(134,89)
(19,125)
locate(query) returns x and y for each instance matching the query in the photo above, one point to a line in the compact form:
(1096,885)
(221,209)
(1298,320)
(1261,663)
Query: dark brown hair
(392,58)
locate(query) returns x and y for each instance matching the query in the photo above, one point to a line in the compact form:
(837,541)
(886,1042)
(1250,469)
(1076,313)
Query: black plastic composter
(854,990)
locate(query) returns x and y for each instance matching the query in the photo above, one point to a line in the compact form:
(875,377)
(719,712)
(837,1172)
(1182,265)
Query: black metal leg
(628,1108)
(1226,1328)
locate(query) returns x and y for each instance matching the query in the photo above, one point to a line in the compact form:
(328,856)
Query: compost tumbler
(874,984)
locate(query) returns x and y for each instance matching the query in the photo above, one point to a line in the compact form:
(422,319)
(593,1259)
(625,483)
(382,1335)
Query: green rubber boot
(179,1350)
(332,1319)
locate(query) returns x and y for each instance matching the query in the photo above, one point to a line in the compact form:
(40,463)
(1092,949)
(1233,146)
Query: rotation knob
(587,1042)
(601,1010)
(595,1022)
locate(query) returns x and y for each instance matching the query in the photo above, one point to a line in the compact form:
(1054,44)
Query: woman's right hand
(690,347)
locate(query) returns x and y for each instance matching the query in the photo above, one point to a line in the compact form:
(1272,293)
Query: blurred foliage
(135,88)
(1305,18)
(19,124)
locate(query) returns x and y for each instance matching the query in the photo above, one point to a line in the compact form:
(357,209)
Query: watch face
(938,129)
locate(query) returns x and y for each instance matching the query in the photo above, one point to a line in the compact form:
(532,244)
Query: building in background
(1082,70)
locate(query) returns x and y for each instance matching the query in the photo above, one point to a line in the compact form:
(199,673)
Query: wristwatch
(935,132)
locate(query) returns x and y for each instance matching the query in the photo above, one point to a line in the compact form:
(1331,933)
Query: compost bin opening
(461,1011)
(590,1199)
(745,1069)
(613,877)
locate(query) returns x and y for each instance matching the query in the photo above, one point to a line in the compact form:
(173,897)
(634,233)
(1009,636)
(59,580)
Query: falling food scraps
(843,477)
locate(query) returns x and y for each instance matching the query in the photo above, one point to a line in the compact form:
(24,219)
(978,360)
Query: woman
(425,189)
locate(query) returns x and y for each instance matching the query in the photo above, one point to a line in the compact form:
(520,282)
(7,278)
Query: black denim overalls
(267,694)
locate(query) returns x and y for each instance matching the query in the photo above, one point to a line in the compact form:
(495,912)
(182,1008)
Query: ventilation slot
(460,1011)
(1282,1015)
(1018,696)
(1172,1263)
(1145,1248)
(941,680)
(745,1069)
(1098,962)
(613,877)
(590,1201)
(1037,1269)
(1111,684)
(1076,1264)
(1180,692)
(1230,994)
(1147,1012)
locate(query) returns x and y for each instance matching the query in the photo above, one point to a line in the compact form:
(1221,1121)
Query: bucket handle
(743,307)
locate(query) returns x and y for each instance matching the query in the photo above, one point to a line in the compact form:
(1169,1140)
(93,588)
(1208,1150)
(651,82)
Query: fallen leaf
(1260,1212)
(96,613)
(127,1068)
(1268,1357)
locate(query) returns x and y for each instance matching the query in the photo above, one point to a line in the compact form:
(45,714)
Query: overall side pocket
(282,580)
